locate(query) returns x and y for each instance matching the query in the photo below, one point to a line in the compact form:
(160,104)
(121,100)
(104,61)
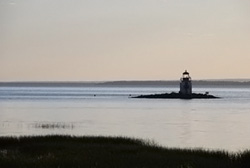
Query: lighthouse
(186,84)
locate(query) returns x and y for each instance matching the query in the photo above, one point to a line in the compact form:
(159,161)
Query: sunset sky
(95,40)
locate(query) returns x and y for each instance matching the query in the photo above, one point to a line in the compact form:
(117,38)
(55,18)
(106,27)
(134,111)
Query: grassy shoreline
(68,151)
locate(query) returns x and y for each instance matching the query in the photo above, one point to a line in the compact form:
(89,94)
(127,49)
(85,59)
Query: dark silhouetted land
(196,83)
(174,95)
(107,152)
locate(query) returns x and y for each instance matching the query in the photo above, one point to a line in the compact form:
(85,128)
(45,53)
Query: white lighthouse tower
(186,84)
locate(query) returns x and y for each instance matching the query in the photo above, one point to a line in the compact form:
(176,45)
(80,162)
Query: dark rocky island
(174,95)
(184,93)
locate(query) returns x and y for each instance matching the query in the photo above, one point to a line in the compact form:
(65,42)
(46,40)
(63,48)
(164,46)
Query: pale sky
(95,40)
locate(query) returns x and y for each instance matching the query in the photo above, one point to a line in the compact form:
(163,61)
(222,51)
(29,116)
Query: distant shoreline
(205,83)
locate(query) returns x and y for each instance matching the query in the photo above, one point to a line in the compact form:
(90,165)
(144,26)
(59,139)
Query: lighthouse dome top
(185,73)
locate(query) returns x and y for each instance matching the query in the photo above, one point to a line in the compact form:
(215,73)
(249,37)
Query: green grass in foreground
(67,151)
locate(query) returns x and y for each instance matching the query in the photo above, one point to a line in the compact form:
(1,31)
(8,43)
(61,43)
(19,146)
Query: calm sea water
(214,124)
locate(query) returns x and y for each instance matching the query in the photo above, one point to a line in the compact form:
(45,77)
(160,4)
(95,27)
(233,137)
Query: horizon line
(105,81)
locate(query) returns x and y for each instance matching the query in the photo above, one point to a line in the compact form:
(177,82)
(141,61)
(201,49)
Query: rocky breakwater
(174,95)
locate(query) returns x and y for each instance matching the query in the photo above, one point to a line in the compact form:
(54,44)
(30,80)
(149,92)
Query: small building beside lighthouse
(186,84)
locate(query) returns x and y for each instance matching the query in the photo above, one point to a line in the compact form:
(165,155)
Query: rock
(174,95)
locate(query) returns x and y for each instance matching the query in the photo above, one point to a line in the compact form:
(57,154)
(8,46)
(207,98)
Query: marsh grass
(108,152)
